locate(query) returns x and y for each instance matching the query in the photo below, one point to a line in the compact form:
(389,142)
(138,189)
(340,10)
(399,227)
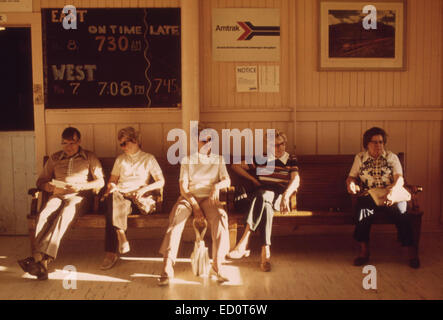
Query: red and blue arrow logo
(251,31)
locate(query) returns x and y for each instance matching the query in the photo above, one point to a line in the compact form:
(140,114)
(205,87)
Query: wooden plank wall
(322,112)
(18,174)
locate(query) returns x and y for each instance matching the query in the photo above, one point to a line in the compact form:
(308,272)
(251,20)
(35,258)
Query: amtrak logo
(250,31)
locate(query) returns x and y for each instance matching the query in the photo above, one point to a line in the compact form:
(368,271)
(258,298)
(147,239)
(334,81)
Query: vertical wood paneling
(53,138)
(7,220)
(105,140)
(306,138)
(396,131)
(21,198)
(350,137)
(328,141)
(434,175)
(152,138)
(17,175)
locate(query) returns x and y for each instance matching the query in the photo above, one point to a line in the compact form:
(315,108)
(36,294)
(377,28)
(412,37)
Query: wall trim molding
(163,115)
(107,116)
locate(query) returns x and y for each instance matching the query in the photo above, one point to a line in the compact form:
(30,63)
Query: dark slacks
(367,211)
(261,213)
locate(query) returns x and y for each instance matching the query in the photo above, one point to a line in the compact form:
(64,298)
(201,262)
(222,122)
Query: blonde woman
(128,188)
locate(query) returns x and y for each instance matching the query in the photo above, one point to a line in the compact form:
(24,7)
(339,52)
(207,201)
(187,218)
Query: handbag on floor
(200,257)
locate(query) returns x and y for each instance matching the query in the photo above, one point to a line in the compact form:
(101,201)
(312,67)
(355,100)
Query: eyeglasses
(208,139)
(278,145)
(124,143)
(70,143)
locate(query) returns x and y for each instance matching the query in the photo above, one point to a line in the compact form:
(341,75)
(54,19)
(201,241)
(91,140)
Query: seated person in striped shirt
(273,190)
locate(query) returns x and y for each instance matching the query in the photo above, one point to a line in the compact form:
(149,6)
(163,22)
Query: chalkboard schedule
(116,58)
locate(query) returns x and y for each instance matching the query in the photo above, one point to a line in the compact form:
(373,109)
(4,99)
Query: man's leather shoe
(25,263)
(109,261)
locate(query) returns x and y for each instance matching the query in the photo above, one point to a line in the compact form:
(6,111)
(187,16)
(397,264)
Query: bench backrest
(323,182)
(171,191)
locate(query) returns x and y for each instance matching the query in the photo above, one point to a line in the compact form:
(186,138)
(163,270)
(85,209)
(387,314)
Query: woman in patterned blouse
(378,168)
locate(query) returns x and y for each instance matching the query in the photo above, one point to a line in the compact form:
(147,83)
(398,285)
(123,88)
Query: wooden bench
(322,198)
(95,217)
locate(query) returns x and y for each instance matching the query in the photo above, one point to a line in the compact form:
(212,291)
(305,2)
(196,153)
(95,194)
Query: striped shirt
(276,173)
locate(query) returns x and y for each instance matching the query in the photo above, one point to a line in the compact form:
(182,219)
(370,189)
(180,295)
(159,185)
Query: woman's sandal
(237,254)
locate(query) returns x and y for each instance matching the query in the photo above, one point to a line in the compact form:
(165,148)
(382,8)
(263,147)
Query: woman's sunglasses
(124,143)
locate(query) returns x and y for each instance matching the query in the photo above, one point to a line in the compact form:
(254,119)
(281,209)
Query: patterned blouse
(376,173)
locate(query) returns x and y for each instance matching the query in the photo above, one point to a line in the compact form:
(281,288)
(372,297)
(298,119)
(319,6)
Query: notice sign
(269,78)
(246,78)
(246,34)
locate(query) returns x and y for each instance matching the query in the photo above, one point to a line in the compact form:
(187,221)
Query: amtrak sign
(246,34)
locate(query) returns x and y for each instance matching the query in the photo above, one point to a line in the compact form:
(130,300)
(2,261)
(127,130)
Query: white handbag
(200,257)
(380,195)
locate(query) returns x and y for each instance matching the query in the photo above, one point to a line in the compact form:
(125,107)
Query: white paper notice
(246,78)
(269,78)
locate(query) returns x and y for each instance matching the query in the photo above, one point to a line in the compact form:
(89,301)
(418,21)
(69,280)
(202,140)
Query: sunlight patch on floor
(79,276)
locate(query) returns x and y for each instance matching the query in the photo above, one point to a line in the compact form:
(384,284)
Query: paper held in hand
(59,184)
(380,195)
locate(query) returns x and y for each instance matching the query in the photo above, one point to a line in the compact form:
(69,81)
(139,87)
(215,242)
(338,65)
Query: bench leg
(31,231)
(232,235)
(416,229)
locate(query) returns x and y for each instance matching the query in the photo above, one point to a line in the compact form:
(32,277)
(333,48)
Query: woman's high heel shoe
(237,254)
(265,264)
(220,277)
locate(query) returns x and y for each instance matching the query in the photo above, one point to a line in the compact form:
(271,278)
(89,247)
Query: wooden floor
(303,267)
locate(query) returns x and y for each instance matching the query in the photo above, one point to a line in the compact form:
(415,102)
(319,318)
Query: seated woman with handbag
(272,192)
(128,189)
(202,175)
(376,177)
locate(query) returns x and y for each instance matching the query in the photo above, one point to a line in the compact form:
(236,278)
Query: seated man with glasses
(69,175)
(128,188)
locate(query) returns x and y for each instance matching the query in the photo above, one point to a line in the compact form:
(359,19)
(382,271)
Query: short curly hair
(130,134)
(374,131)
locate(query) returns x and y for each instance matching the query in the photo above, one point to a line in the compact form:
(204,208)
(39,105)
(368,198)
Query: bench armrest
(38,197)
(414,190)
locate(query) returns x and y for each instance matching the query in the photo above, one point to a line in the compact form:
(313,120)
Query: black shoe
(25,263)
(414,263)
(37,269)
(360,261)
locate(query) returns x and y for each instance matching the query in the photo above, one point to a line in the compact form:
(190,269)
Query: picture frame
(351,37)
